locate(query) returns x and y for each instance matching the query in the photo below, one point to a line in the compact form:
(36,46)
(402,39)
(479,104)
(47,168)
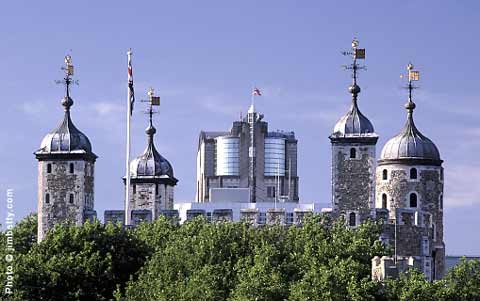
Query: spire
(410,127)
(410,143)
(356,54)
(66,138)
(354,123)
(150,163)
(150,130)
(67,101)
(413,75)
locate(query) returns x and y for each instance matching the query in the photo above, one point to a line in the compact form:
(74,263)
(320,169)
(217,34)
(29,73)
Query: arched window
(49,168)
(134,188)
(413,200)
(47,198)
(384,174)
(71,167)
(413,173)
(70,199)
(440,201)
(384,201)
(353,153)
(156,189)
(352,219)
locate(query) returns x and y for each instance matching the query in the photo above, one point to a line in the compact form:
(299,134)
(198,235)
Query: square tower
(66,167)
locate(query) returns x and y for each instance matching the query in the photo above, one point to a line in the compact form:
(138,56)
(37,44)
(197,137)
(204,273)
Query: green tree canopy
(76,263)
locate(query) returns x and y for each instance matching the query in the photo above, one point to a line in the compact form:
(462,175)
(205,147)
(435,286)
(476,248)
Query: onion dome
(410,143)
(66,137)
(353,123)
(150,163)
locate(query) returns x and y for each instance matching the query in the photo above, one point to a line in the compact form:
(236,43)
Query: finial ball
(150,130)
(151,92)
(354,89)
(410,66)
(355,43)
(410,106)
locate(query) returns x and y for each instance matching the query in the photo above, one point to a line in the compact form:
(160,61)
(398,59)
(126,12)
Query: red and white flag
(256,92)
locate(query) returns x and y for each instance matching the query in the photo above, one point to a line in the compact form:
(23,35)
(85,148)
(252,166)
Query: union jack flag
(130,83)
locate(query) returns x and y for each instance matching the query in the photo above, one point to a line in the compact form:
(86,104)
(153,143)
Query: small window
(134,188)
(413,200)
(71,168)
(352,219)
(49,168)
(70,199)
(353,153)
(384,201)
(440,201)
(47,198)
(156,189)
(413,173)
(384,174)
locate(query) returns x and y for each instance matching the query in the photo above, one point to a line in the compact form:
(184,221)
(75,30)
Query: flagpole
(127,160)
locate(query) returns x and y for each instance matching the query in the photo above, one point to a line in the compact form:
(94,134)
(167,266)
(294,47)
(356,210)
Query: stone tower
(152,180)
(65,171)
(410,179)
(353,156)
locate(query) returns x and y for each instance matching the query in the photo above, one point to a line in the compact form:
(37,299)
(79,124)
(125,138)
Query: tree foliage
(235,261)
(76,263)
(322,260)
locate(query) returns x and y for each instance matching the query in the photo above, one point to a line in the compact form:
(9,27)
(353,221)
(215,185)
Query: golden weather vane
(356,54)
(413,75)
(152,101)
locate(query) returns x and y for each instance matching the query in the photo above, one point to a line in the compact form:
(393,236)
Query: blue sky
(203,57)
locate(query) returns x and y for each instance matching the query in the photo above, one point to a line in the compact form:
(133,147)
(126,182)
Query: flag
(130,82)
(256,92)
(155,100)
(360,53)
(413,75)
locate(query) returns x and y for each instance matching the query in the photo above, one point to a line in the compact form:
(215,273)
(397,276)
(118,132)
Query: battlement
(388,268)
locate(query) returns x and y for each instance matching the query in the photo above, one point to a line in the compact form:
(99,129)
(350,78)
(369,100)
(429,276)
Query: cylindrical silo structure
(274,156)
(228,156)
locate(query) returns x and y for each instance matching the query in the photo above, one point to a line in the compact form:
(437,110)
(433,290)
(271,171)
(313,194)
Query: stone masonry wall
(59,184)
(145,197)
(429,188)
(353,186)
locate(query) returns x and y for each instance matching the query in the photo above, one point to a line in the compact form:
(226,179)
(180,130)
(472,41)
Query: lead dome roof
(410,143)
(150,163)
(353,123)
(66,138)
